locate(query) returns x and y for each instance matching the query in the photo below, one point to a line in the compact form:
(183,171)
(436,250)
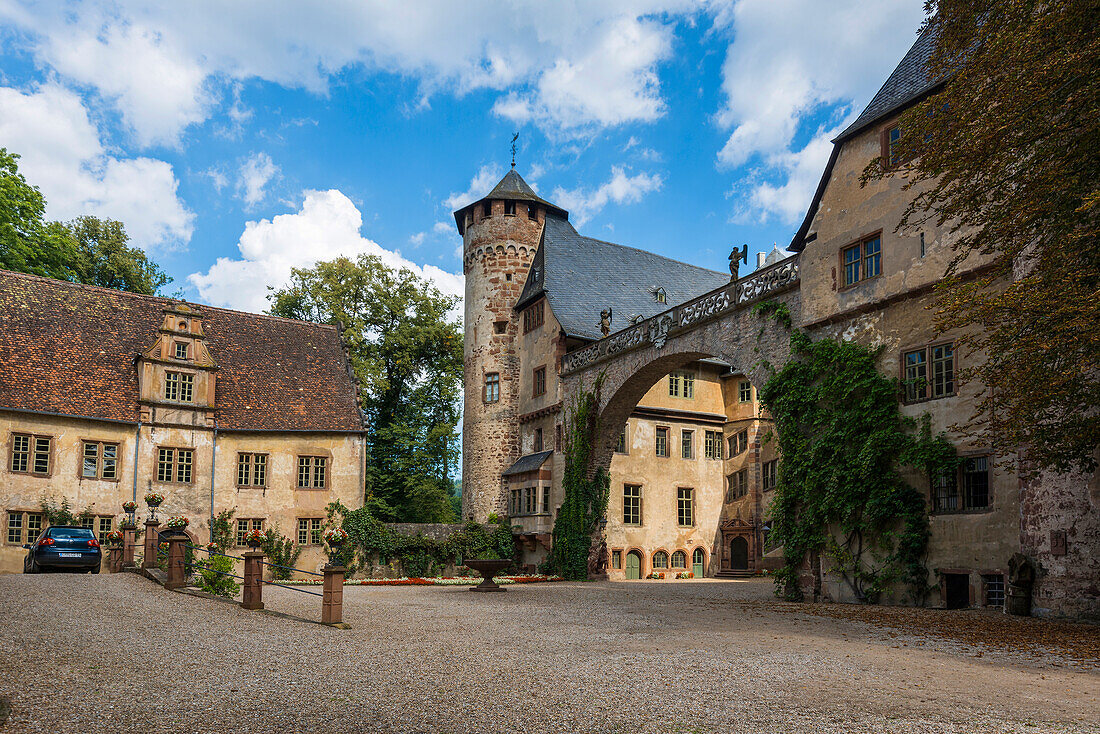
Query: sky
(239,140)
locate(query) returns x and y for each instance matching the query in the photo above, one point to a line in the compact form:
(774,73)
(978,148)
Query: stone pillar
(177,554)
(152,539)
(332,598)
(252,588)
(114,558)
(129,542)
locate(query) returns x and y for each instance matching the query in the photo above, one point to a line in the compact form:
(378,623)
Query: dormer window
(509,208)
(181,350)
(659,296)
(179,386)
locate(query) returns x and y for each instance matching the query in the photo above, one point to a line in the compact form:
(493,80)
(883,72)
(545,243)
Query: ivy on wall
(585,504)
(845,449)
(371,539)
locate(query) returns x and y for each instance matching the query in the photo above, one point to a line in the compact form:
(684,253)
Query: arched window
(679,559)
(660,559)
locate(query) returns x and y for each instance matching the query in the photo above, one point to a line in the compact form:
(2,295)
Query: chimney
(760,260)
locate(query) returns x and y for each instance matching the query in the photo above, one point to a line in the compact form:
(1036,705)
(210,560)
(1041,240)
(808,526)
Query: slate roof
(72,349)
(512,187)
(909,81)
(581,276)
(528,463)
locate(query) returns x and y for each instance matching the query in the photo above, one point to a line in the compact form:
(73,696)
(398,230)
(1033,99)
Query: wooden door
(633,565)
(739,554)
(698,559)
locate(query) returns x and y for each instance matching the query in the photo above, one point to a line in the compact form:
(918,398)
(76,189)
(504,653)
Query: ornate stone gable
(177,374)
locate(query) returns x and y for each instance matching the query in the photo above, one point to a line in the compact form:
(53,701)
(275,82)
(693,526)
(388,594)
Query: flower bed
(420,581)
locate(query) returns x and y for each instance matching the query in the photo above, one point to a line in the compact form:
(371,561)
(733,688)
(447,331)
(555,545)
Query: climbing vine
(846,451)
(585,504)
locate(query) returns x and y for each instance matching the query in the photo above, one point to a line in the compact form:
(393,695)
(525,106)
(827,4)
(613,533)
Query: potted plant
(128,523)
(335,538)
(153,499)
(254,538)
(177,523)
(129,507)
(115,538)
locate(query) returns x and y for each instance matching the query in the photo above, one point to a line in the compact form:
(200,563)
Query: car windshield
(70,533)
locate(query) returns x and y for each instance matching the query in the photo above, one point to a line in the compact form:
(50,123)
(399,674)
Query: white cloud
(416,240)
(800,171)
(325,227)
(792,59)
(255,174)
(165,66)
(444,228)
(63,155)
(583,204)
(481,184)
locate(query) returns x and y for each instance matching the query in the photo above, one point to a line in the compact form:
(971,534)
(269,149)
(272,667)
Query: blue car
(62,547)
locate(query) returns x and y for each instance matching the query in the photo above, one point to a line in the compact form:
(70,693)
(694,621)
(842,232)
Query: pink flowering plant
(335,541)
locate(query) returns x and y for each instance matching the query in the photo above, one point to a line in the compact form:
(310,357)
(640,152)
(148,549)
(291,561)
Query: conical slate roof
(513,188)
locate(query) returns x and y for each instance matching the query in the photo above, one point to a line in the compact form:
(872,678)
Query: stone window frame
(769,475)
(658,446)
(538,381)
(680,500)
(959,490)
(252,464)
(100,444)
(861,243)
(515,501)
(653,560)
(534,316)
(184,385)
(623,441)
(313,531)
(929,369)
(175,463)
(24,525)
(315,455)
(490,379)
(176,348)
(615,562)
(545,499)
(889,161)
(744,395)
(680,384)
(737,485)
(687,441)
(738,443)
(32,454)
(672,559)
(242,526)
(640,497)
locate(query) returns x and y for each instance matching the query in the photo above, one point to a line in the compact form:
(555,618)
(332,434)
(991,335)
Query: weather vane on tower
(515,137)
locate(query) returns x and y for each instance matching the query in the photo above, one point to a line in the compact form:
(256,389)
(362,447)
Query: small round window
(183,325)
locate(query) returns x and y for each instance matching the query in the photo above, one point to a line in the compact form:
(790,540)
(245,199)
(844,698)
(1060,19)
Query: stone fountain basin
(487,567)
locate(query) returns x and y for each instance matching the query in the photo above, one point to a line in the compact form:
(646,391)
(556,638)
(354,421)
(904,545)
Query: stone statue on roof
(736,258)
(605,321)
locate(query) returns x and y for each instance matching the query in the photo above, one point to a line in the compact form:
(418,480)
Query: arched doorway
(698,563)
(739,554)
(633,565)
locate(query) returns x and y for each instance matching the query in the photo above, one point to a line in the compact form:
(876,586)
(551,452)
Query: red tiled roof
(72,349)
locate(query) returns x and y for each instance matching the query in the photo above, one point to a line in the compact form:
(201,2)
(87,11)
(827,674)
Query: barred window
(179,386)
(312,472)
(964,489)
(687,444)
(175,465)
(30,454)
(661,441)
(244,524)
(309,530)
(744,392)
(685,506)
(712,444)
(251,470)
(100,460)
(993,589)
(632,504)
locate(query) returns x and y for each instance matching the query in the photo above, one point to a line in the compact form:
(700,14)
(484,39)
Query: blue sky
(238,141)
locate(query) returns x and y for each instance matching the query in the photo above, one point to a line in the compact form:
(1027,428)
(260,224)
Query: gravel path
(106,653)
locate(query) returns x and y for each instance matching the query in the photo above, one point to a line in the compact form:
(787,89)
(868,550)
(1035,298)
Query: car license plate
(69,555)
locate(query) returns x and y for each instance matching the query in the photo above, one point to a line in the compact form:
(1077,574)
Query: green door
(633,565)
(697,559)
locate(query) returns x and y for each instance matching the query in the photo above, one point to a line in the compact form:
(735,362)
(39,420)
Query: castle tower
(500,234)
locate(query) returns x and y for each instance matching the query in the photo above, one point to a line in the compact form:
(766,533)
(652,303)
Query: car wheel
(96,568)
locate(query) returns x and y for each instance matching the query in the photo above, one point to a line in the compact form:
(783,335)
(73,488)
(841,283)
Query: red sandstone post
(252,589)
(129,541)
(152,539)
(176,554)
(114,558)
(332,597)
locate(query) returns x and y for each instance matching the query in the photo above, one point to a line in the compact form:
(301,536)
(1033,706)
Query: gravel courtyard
(107,653)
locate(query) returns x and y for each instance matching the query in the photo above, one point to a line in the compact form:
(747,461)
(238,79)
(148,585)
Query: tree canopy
(86,250)
(406,349)
(1006,154)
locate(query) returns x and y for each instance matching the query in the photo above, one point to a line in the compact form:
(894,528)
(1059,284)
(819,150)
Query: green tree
(105,259)
(1006,153)
(86,250)
(407,352)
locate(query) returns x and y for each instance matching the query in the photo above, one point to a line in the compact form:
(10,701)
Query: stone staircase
(732,574)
